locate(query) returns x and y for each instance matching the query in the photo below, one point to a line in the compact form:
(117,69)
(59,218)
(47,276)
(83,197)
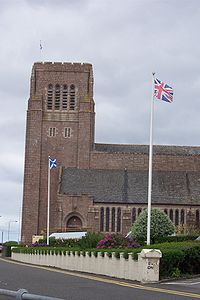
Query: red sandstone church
(95,187)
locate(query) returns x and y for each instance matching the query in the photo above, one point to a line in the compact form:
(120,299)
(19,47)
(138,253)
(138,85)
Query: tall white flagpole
(150,164)
(48,201)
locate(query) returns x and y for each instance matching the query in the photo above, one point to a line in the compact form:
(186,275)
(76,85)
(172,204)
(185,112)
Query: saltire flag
(163,91)
(40,45)
(52,163)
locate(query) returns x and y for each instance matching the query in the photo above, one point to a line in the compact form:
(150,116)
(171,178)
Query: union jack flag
(162,91)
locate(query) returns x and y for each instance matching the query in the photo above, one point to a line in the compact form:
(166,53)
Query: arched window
(102,219)
(107,218)
(166,211)
(118,219)
(182,216)
(139,211)
(133,214)
(50,96)
(171,215)
(57,97)
(72,97)
(113,220)
(197,221)
(64,98)
(74,222)
(176,217)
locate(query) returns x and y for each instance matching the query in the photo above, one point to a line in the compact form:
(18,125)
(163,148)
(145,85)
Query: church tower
(60,124)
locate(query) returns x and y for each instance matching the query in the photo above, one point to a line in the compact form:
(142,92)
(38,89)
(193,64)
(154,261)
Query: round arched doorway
(74,222)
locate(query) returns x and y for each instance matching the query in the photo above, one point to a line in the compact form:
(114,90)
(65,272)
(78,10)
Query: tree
(161,225)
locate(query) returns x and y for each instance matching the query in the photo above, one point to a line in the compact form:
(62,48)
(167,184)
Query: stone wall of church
(185,218)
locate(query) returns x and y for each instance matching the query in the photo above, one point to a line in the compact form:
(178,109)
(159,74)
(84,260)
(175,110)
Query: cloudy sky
(125,41)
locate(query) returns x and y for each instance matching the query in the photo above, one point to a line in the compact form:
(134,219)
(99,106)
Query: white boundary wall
(146,269)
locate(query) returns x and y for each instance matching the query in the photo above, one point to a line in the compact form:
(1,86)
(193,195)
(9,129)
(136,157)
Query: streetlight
(1,235)
(9,227)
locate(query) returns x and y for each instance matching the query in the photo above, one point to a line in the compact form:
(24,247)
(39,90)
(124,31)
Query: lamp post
(9,228)
(1,235)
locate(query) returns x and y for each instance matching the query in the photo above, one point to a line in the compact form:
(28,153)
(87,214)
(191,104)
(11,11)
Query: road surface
(78,286)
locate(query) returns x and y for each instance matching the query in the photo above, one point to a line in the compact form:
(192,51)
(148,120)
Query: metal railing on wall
(23,294)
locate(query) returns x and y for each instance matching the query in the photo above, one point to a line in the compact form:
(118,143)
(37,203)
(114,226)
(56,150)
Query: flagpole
(41,50)
(150,164)
(48,201)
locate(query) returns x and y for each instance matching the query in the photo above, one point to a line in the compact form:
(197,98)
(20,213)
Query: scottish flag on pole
(52,163)
(163,91)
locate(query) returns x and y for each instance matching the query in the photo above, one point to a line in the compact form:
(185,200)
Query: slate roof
(144,149)
(122,186)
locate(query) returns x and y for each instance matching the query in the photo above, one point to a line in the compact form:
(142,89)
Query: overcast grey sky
(125,41)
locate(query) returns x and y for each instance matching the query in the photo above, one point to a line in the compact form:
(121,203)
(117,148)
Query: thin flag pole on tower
(160,91)
(51,165)
(41,48)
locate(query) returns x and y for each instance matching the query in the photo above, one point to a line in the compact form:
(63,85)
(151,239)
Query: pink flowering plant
(116,241)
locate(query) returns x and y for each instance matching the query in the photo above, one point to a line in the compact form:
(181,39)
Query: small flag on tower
(163,91)
(52,163)
(40,45)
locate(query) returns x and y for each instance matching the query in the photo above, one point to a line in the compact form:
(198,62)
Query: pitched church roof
(144,149)
(123,186)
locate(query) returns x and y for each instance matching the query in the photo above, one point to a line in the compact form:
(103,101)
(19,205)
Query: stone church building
(96,187)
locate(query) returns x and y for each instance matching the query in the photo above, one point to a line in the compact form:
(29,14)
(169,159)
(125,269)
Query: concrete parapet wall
(146,269)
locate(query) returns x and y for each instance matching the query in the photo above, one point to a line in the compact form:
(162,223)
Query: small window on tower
(50,97)
(72,97)
(65,95)
(57,97)
(67,132)
(52,131)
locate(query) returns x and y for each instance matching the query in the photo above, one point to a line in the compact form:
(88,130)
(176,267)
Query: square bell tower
(60,124)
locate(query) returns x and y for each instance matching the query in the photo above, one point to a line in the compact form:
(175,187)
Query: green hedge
(179,259)
(176,238)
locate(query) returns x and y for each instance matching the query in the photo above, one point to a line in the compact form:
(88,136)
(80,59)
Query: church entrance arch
(74,222)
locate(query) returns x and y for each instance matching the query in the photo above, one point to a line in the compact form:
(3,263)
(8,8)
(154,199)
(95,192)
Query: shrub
(39,244)
(69,243)
(102,254)
(175,238)
(95,253)
(6,250)
(117,254)
(90,240)
(11,243)
(170,260)
(116,241)
(175,273)
(125,254)
(109,254)
(191,263)
(161,225)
